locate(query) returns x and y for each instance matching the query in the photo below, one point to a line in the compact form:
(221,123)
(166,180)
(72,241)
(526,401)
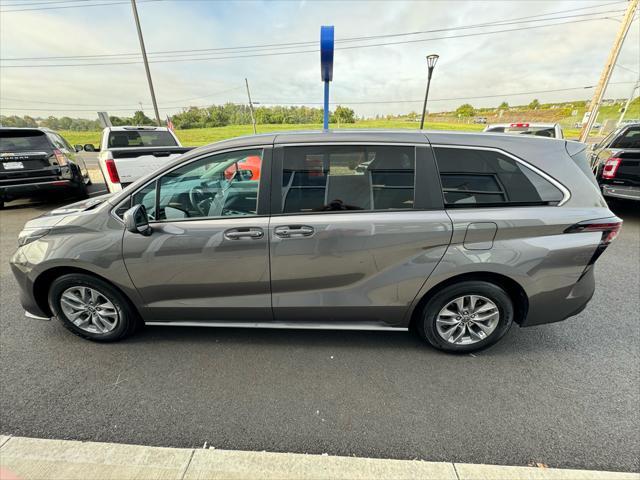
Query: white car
(128,153)
(552,130)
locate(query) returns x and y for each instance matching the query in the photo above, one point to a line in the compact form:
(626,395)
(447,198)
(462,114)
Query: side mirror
(137,221)
(89,147)
(78,148)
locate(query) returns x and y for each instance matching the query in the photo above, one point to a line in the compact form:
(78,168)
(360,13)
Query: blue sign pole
(326,66)
(326,106)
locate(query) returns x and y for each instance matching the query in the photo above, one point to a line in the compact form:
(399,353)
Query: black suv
(616,163)
(36,161)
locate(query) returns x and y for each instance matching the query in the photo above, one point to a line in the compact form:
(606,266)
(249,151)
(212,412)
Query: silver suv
(453,235)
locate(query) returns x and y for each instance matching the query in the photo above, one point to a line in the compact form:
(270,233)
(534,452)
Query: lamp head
(431,60)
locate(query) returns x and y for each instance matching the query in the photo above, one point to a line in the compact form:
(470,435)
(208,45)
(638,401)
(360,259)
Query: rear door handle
(246,232)
(288,231)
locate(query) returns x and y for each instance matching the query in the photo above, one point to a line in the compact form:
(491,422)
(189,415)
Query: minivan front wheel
(467,316)
(91,308)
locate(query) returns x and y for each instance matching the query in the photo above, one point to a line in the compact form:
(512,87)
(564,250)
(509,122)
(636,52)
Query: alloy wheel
(89,310)
(468,319)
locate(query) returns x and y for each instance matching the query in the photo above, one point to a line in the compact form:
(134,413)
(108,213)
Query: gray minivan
(453,235)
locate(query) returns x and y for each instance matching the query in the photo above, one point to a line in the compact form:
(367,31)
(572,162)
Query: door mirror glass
(78,148)
(89,148)
(137,221)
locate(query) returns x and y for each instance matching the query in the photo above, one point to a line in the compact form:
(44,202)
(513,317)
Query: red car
(251,163)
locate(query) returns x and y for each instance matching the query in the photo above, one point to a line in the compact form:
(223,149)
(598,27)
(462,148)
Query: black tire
(81,191)
(426,323)
(128,319)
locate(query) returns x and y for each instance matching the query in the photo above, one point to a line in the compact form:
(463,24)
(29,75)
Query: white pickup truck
(128,153)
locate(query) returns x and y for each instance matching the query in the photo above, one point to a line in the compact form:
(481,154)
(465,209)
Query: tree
(465,110)
(344,115)
(139,118)
(534,105)
(504,106)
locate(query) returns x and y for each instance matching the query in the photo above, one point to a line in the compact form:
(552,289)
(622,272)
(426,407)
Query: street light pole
(146,62)
(431,63)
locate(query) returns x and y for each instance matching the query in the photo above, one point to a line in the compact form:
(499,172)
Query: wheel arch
(43,282)
(513,289)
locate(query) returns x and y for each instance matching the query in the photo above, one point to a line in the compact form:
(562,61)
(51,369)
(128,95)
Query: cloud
(519,61)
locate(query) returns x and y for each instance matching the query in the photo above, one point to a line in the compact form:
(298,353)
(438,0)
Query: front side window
(338,178)
(223,185)
(486,178)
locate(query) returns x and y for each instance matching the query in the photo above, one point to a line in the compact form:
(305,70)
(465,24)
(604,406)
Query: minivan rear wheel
(91,308)
(466,316)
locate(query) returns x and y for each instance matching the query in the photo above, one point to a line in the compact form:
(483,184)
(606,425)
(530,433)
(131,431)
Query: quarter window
(338,178)
(485,178)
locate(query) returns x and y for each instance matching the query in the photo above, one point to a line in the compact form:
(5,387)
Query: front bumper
(621,191)
(21,269)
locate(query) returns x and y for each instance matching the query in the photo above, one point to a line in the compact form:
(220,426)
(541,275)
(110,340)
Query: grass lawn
(203,136)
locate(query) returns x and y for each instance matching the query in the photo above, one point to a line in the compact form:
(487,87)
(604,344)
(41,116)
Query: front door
(208,256)
(348,241)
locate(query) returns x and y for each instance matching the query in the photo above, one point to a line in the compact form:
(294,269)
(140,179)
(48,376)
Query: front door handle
(288,231)
(246,232)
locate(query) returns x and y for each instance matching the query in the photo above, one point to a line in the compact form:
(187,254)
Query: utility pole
(253,118)
(592,112)
(146,62)
(626,106)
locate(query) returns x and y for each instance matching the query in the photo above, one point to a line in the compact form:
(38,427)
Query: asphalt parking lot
(565,395)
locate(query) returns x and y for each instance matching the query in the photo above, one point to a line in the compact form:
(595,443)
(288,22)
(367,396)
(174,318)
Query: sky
(475,66)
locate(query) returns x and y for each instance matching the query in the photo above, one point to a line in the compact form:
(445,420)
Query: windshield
(141,138)
(23,141)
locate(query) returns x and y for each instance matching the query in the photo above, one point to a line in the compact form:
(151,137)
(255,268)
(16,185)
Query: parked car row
(39,161)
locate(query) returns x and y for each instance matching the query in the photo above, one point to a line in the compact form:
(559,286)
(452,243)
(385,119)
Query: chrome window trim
(348,143)
(565,191)
(182,164)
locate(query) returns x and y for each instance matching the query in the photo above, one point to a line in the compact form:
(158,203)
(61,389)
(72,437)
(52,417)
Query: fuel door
(480,235)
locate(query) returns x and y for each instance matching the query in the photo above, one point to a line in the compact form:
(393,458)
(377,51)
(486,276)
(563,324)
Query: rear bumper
(621,191)
(21,190)
(558,305)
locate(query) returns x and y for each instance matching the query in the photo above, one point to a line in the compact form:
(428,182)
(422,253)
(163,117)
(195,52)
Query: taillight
(60,157)
(520,125)
(610,227)
(611,167)
(112,171)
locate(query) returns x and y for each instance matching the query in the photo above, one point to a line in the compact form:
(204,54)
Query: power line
(102,105)
(513,94)
(315,50)
(357,102)
(75,6)
(205,51)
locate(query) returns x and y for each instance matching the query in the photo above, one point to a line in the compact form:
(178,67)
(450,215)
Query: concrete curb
(32,458)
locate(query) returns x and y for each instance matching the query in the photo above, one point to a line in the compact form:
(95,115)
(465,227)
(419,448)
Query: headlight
(28,236)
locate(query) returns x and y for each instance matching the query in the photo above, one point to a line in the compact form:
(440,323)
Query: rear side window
(473,177)
(337,178)
(124,139)
(23,141)
(629,139)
